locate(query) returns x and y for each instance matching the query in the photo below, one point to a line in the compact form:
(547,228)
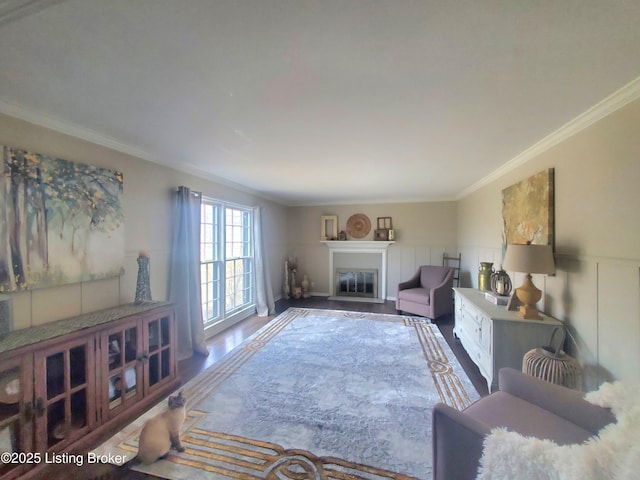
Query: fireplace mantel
(356,247)
(348,245)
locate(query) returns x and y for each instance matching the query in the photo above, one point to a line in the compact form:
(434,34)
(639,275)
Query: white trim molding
(66,128)
(612,103)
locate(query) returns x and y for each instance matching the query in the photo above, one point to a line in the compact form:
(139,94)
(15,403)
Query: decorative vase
(501,283)
(143,286)
(305,287)
(484,276)
(285,286)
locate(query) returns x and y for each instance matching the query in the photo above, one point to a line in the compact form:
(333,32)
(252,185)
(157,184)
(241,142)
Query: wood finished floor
(224,342)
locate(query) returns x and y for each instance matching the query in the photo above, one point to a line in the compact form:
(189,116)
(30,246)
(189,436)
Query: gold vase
(484,276)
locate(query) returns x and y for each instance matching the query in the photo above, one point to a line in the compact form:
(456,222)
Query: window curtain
(184,277)
(264,293)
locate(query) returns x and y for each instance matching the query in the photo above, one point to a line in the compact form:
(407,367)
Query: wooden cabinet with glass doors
(63,384)
(140,359)
(64,390)
(16,411)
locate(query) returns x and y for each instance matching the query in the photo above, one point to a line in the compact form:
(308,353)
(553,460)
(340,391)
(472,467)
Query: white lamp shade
(529,259)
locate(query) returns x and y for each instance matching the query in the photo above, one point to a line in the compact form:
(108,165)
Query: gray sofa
(524,404)
(427,293)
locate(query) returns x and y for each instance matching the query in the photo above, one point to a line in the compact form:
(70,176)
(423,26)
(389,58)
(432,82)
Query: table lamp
(529,259)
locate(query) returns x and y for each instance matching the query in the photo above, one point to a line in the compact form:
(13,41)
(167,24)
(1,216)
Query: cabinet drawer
(478,356)
(469,317)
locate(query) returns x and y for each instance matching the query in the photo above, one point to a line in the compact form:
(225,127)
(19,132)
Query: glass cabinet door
(123,355)
(64,393)
(161,363)
(16,418)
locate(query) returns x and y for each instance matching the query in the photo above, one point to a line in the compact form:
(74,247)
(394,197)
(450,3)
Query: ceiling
(312,102)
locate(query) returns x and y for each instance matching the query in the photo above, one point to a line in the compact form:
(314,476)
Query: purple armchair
(524,404)
(427,293)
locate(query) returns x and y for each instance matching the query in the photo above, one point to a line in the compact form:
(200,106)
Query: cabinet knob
(39,407)
(143,357)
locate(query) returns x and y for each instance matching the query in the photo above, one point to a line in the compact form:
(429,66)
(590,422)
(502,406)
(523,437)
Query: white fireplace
(360,267)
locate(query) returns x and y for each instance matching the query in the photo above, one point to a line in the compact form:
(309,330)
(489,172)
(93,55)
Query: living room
(594,154)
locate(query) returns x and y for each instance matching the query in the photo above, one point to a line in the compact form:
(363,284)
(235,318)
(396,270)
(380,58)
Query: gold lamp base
(529,295)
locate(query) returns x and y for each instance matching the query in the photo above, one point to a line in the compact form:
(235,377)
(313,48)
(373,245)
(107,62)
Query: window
(226,260)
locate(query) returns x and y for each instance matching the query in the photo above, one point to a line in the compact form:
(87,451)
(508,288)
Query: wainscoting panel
(575,301)
(55,303)
(101,294)
(599,301)
(471,258)
(401,259)
(404,260)
(619,319)
(37,307)
(598,298)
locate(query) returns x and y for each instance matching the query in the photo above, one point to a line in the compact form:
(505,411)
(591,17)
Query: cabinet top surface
(499,312)
(48,331)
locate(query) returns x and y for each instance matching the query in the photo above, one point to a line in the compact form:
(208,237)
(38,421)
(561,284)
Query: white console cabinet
(495,337)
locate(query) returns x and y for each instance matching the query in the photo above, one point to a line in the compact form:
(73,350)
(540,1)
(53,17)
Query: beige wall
(596,290)
(147,203)
(423,232)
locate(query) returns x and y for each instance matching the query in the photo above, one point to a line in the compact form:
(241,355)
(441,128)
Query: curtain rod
(195,194)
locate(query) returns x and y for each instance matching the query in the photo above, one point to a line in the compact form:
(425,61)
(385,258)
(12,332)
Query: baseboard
(358,299)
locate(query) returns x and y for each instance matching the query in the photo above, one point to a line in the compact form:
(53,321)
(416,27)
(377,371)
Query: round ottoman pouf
(553,366)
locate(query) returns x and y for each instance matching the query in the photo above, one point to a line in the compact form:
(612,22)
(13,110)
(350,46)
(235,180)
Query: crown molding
(60,126)
(612,103)
(66,128)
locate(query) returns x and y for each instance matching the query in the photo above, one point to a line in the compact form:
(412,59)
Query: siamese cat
(162,432)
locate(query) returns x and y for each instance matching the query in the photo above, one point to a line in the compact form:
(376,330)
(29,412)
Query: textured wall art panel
(527,210)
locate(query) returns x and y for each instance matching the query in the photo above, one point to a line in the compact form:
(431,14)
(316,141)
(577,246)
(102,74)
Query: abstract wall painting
(527,210)
(61,222)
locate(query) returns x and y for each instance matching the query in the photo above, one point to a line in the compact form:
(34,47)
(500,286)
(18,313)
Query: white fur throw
(612,454)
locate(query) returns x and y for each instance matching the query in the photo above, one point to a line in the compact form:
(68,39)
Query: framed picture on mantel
(329,227)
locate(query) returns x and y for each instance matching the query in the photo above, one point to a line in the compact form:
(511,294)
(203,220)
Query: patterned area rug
(317,394)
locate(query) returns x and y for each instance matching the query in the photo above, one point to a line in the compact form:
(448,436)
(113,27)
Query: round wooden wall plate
(358,225)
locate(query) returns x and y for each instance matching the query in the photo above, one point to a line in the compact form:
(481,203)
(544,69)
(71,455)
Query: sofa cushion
(416,295)
(501,409)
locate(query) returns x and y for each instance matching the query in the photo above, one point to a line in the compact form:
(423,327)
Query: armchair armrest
(441,298)
(564,402)
(457,443)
